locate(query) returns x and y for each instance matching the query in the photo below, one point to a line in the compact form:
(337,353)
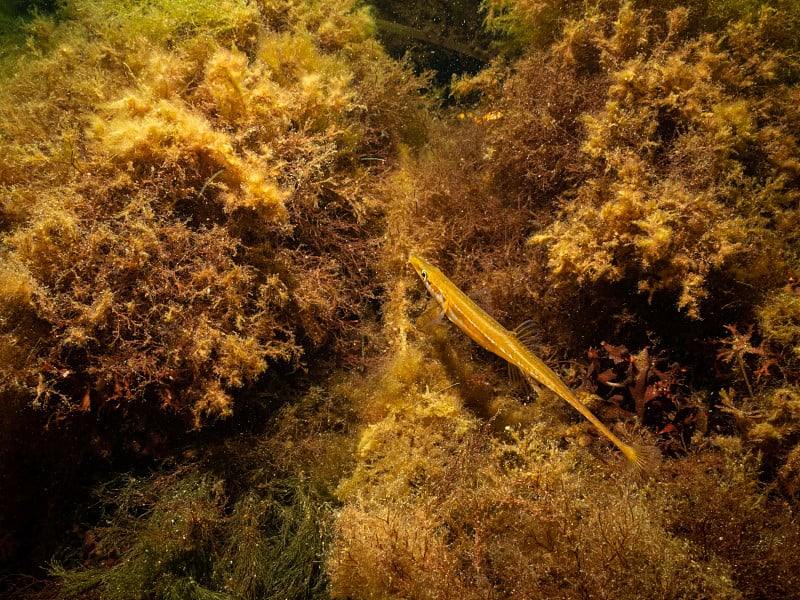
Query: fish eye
(424,275)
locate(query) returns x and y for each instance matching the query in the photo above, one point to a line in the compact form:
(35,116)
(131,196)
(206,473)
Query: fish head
(432,277)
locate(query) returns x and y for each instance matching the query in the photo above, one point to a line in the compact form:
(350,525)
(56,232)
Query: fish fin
(529,333)
(431,316)
(521,381)
(516,377)
(645,460)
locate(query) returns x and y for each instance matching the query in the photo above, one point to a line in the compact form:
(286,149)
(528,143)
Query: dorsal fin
(529,333)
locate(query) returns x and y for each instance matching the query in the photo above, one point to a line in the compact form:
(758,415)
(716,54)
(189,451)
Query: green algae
(179,535)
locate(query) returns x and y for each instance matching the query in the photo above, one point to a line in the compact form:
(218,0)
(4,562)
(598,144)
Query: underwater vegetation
(217,361)
(244,521)
(163,242)
(185,207)
(696,166)
(605,186)
(441,500)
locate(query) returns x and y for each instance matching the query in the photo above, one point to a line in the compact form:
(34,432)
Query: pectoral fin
(516,377)
(432,315)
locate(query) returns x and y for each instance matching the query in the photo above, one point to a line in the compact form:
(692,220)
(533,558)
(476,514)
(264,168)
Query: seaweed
(193,180)
(178,535)
(187,218)
(683,184)
(207,319)
(244,516)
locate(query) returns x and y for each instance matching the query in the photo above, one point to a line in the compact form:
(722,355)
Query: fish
(484,330)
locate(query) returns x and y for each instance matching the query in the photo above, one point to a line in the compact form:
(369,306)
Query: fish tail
(644,459)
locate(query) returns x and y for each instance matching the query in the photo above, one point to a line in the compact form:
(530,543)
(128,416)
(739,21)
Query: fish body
(487,332)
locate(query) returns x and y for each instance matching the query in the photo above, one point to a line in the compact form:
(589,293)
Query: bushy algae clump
(694,167)
(185,210)
(173,209)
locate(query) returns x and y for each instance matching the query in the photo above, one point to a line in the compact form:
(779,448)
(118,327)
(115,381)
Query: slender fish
(487,332)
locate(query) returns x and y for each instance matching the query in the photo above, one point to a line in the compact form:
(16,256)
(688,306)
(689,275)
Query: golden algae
(779,323)
(191,212)
(185,215)
(684,168)
(171,137)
